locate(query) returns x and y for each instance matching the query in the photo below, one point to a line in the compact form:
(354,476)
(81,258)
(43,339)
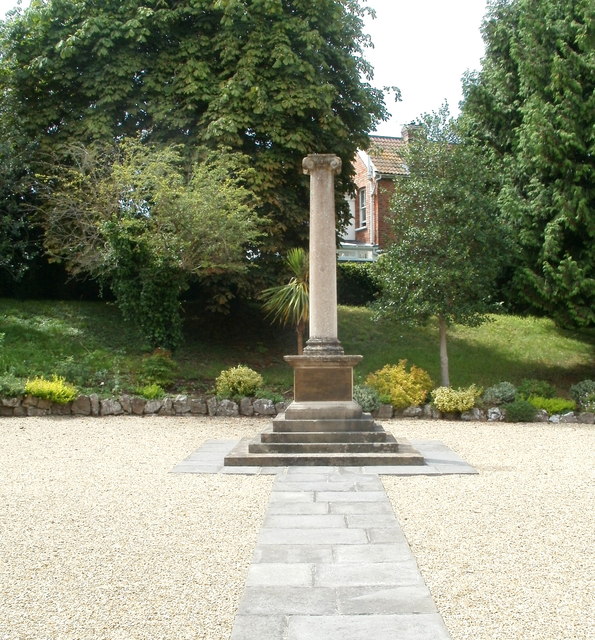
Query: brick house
(375,172)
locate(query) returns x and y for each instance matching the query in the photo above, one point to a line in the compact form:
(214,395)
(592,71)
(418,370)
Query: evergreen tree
(530,109)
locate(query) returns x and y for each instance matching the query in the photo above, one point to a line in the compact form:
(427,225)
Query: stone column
(323,340)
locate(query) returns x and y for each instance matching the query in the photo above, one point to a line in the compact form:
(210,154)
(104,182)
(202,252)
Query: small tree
(447,247)
(134,218)
(288,303)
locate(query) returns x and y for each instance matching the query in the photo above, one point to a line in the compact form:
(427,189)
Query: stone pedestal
(323,425)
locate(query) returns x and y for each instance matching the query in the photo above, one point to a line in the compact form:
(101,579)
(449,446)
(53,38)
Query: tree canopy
(447,247)
(272,79)
(530,110)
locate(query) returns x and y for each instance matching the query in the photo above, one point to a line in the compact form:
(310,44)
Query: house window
(363,219)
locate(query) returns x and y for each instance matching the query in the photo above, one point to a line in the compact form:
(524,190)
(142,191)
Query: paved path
(331,562)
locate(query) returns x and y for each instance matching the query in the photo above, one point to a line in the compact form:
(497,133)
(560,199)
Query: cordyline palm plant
(288,303)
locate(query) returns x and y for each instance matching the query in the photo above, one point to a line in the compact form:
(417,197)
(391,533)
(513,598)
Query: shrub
(356,283)
(498,394)
(55,390)
(449,400)
(158,368)
(583,393)
(532,387)
(238,381)
(519,411)
(11,386)
(151,391)
(552,405)
(366,397)
(401,387)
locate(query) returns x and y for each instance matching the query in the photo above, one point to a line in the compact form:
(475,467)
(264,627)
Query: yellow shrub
(450,400)
(55,390)
(402,388)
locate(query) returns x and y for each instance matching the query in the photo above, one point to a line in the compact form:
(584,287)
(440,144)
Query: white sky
(421,46)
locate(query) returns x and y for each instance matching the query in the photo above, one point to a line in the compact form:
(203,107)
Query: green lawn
(91,345)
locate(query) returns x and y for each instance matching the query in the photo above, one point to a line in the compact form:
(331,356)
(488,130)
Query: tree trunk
(444,377)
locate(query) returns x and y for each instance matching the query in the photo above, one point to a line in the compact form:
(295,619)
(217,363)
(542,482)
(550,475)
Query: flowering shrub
(238,381)
(55,390)
(402,388)
(583,393)
(450,400)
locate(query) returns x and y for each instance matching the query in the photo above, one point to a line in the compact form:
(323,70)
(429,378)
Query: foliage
(132,218)
(447,248)
(55,390)
(583,393)
(274,80)
(552,405)
(403,388)
(238,381)
(11,386)
(159,367)
(519,411)
(289,303)
(356,283)
(268,394)
(530,111)
(449,400)
(367,397)
(151,391)
(532,387)
(588,402)
(498,394)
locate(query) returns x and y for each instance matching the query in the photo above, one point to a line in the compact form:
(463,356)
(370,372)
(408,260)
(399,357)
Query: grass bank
(91,345)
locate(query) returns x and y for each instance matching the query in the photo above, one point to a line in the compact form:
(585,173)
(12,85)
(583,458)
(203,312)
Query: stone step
(365,423)
(323,447)
(378,435)
(241,456)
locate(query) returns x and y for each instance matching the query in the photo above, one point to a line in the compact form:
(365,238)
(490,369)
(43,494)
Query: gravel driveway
(99,541)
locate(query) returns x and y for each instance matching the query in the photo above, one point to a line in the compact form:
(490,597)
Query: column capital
(322,161)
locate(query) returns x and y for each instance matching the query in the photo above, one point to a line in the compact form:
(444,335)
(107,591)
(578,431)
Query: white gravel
(507,554)
(99,541)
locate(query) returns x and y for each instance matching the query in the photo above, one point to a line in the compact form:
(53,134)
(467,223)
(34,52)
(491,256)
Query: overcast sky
(421,46)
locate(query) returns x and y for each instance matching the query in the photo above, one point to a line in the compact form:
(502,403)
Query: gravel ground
(507,554)
(99,541)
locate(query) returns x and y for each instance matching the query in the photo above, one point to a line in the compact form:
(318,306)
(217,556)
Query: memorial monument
(323,425)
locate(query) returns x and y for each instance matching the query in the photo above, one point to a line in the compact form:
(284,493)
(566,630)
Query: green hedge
(356,285)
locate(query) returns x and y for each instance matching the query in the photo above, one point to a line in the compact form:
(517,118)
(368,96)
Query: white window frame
(363,209)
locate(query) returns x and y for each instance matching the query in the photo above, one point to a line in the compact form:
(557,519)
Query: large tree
(447,247)
(273,79)
(530,109)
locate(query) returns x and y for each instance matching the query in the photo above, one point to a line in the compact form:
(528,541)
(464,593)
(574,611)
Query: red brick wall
(361,181)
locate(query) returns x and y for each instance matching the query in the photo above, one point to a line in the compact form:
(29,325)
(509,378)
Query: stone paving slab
(332,563)
(439,460)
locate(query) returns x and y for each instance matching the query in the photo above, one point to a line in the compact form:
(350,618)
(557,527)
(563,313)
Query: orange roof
(386,154)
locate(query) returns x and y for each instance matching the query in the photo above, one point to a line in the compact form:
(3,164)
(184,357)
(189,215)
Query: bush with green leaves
(159,367)
(267,394)
(449,400)
(498,394)
(532,387)
(151,391)
(367,397)
(552,405)
(356,283)
(519,411)
(11,386)
(55,390)
(583,393)
(240,381)
(403,388)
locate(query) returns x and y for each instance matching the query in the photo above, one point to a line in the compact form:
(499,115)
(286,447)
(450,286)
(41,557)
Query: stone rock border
(93,405)
(493,414)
